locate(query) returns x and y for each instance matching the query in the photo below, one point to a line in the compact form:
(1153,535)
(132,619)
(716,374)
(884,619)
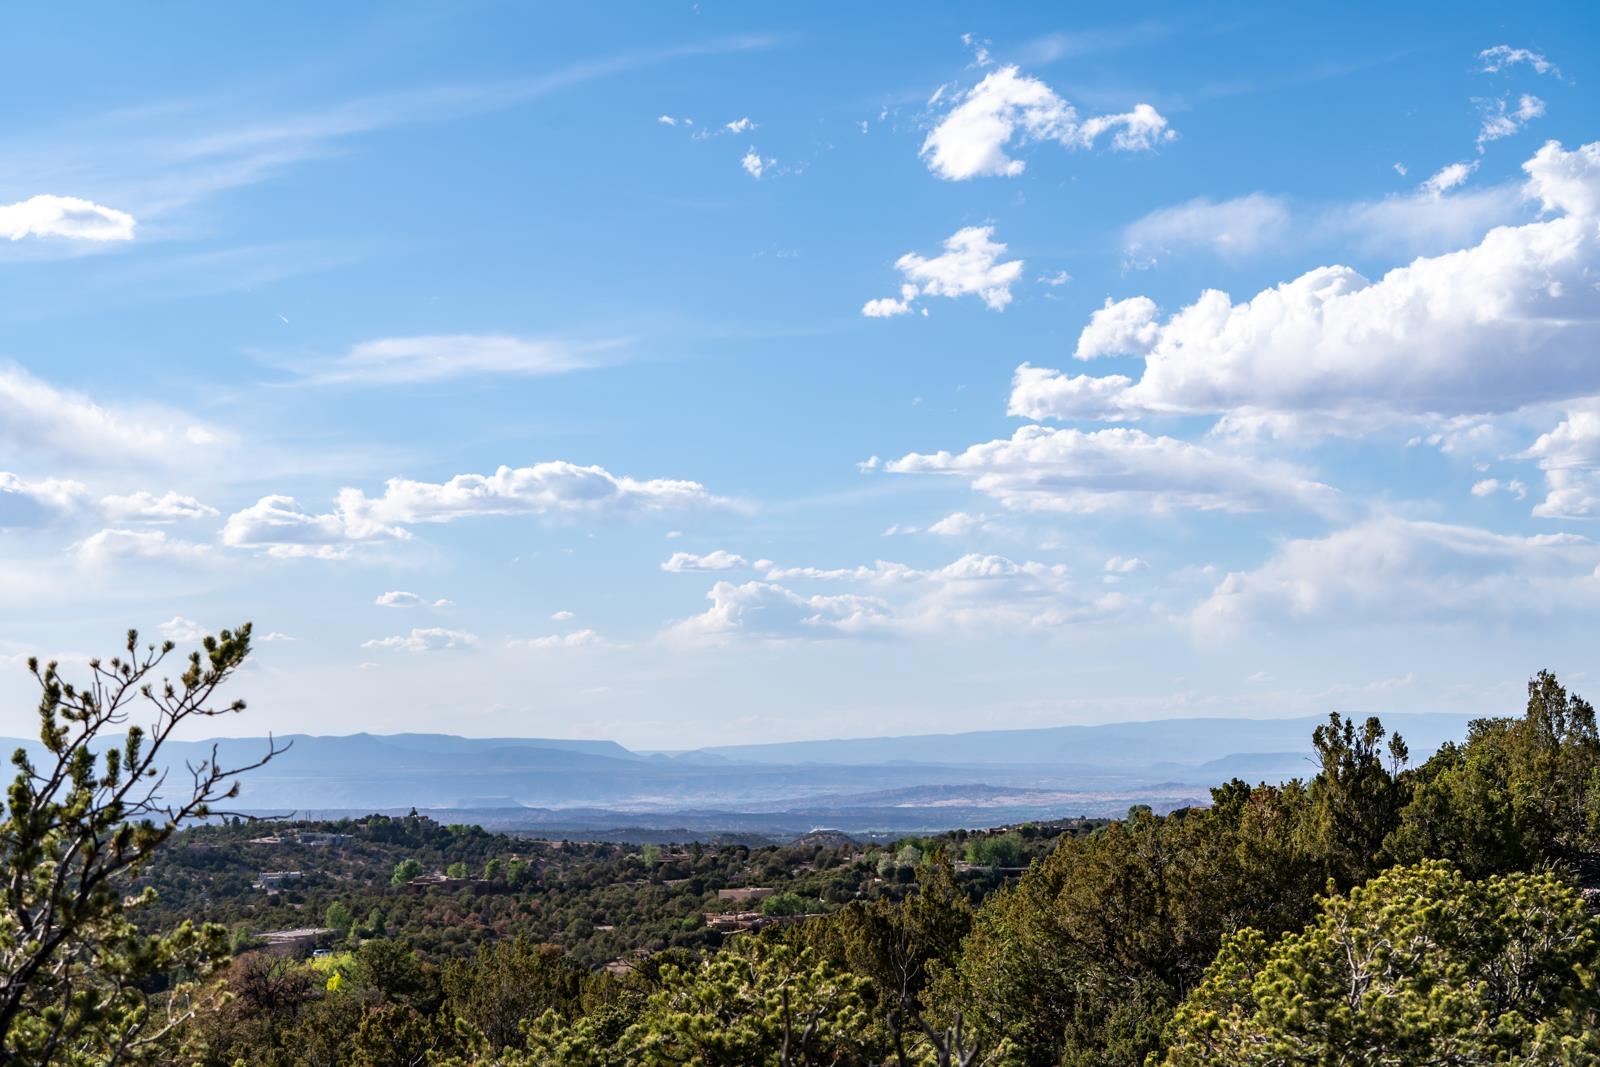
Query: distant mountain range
(886,784)
(1188,742)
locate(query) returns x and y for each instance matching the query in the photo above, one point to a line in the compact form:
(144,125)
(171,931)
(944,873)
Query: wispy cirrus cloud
(40,420)
(441,357)
(1437,215)
(1067,45)
(1232,229)
(159,157)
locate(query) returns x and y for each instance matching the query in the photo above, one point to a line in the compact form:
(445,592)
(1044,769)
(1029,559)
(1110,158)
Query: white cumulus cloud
(1569,455)
(970,265)
(768,610)
(142,506)
(1448,178)
(886,307)
(975,591)
(64,216)
(1511,321)
(425,639)
(1120,328)
(1503,56)
(1041,393)
(575,639)
(754,165)
(1502,120)
(113,545)
(719,560)
(1490,486)
(1043,469)
(279,526)
(25,501)
(555,488)
(958,524)
(179,628)
(1009,108)
(1397,571)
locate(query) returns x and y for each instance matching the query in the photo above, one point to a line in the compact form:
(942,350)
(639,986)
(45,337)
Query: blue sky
(690,373)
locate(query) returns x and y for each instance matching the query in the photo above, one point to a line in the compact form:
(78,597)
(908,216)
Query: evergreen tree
(85,812)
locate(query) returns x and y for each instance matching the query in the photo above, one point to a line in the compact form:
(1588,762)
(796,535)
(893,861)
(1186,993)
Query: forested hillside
(1379,912)
(444,890)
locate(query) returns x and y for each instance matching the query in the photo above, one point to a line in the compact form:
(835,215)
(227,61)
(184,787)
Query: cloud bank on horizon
(738,387)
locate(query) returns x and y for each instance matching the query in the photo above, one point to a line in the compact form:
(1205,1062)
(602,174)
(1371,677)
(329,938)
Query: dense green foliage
(1420,965)
(754,1002)
(1376,913)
